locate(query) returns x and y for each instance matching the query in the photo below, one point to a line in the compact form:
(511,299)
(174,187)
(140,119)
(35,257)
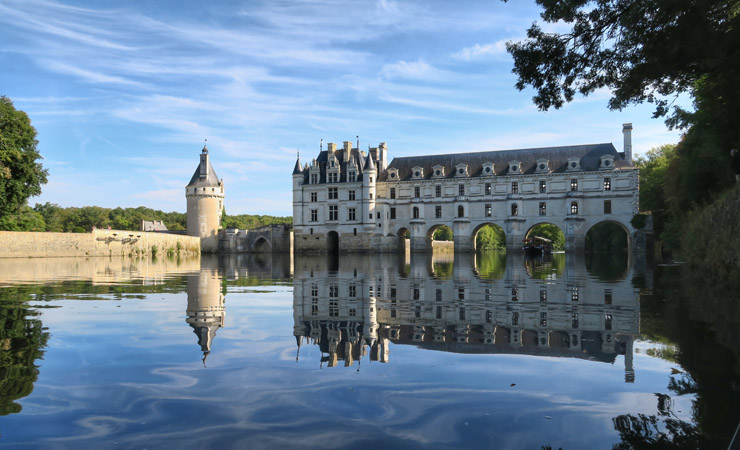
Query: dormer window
(574,164)
(352,176)
(438,171)
(515,167)
(393,174)
(487,168)
(543,166)
(417,172)
(607,162)
(461,170)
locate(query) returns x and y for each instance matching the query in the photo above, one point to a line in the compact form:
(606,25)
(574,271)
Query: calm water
(486,351)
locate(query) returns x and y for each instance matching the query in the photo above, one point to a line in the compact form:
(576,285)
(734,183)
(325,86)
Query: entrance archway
(332,242)
(548,231)
(488,236)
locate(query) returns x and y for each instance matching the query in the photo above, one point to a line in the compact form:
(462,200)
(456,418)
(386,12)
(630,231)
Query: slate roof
(211,180)
(590,156)
(324,157)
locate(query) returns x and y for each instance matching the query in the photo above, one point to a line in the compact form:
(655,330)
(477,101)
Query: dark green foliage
(249,221)
(443,233)
(639,221)
(606,237)
(641,50)
(490,237)
(21,176)
(549,231)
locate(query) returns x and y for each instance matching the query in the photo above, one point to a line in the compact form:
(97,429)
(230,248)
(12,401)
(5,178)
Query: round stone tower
(205,196)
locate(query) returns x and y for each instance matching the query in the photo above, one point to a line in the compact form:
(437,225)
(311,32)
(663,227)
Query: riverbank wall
(22,244)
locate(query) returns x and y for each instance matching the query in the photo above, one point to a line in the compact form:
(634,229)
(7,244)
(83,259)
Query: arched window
(574,207)
(416,212)
(514,209)
(460,211)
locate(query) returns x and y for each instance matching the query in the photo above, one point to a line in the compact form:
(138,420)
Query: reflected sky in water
(489,350)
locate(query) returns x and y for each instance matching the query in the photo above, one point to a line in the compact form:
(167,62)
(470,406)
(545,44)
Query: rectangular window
(543,295)
(461,294)
(514,187)
(333,193)
(352,312)
(314,290)
(574,320)
(438,212)
(439,312)
(393,292)
(351,195)
(607,184)
(608,297)
(314,306)
(438,295)
(416,293)
(543,187)
(489,211)
(489,316)
(393,192)
(573,184)
(314,215)
(462,313)
(515,318)
(574,295)
(370,179)
(514,295)
(543,319)
(417,311)
(314,178)
(608,322)
(333,291)
(333,212)
(393,213)
(574,208)
(488,188)
(333,308)
(461,189)
(437,191)
(351,214)
(371,197)
(371,216)
(352,290)
(607,206)
(417,191)
(333,177)
(314,196)
(351,177)
(543,208)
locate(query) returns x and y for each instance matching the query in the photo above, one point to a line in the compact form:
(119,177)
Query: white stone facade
(348,200)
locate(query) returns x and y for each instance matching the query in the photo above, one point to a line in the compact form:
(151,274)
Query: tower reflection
(205,311)
(550,307)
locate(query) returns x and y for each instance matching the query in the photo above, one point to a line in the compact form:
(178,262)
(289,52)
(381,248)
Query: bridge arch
(548,230)
(403,236)
(498,230)
(262,245)
(429,238)
(332,242)
(609,235)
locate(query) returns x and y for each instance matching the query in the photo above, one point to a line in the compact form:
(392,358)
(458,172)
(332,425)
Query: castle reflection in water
(354,307)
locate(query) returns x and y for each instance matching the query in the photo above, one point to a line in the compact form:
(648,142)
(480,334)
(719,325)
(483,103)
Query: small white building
(349,200)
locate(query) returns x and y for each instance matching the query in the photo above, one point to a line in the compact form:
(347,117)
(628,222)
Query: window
(371,216)
(543,295)
(393,213)
(351,214)
(460,211)
(437,191)
(514,187)
(462,313)
(416,212)
(314,178)
(333,177)
(574,321)
(393,292)
(607,184)
(371,197)
(439,312)
(333,308)
(608,297)
(543,187)
(370,179)
(314,290)
(417,311)
(417,191)
(333,193)
(314,215)
(377,215)
(438,295)
(608,322)
(574,295)
(607,206)
(543,319)
(574,207)
(489,212)
(461,293)
(393,192)
(333,291)
(314,306)
(488,188)
(515,318)
(573,184)
(438,212)
(514,209)
(489,316)
(514,294)
(333,212)
(351,177)
(461,189)
(352,312)
(543,208)
(416,293)
(351,195)
(314,196)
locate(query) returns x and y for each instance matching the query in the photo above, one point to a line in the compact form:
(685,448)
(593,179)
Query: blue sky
(123,94)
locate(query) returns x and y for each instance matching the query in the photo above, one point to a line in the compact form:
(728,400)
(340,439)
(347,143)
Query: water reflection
(497,304)
(205,311)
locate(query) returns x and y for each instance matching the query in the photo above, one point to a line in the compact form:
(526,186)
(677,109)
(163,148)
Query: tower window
(393,213)
(543,187)
(607,184)
(438,191)
(514,187)
(417,191)
(461,189)
(573,184)
(488,188)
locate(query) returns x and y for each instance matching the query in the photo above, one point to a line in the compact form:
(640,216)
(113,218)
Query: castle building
(350,200)
(205,204)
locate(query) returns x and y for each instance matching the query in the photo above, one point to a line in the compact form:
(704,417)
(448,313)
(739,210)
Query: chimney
(204,163)
(627,132)
(347,150)
(331,147)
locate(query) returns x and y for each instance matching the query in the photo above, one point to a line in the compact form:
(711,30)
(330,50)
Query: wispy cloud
(479,51)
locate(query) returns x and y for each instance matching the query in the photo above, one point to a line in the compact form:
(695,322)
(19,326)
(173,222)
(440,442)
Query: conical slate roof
(210,179)
(369,165)
(297,169)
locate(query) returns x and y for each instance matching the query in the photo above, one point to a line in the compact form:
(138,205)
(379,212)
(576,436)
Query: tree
(21,176)
(641,50)
(653,167)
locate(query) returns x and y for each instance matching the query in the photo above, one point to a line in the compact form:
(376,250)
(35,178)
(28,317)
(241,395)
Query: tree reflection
(21,342)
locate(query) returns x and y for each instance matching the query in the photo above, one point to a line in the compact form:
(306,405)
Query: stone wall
(16,244)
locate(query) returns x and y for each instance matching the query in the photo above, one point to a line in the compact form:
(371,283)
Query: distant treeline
(52,217)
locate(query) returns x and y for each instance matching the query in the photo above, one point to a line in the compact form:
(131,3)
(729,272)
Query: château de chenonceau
(351,201)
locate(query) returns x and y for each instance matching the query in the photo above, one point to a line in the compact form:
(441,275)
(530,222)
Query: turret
(205,204)
(298,177)
(369,175)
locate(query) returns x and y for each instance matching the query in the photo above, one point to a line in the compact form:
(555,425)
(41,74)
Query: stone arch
(403,238)
(477,229)
(544,222)
(620,225)
(332,242)
(262,245)
(430,234)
